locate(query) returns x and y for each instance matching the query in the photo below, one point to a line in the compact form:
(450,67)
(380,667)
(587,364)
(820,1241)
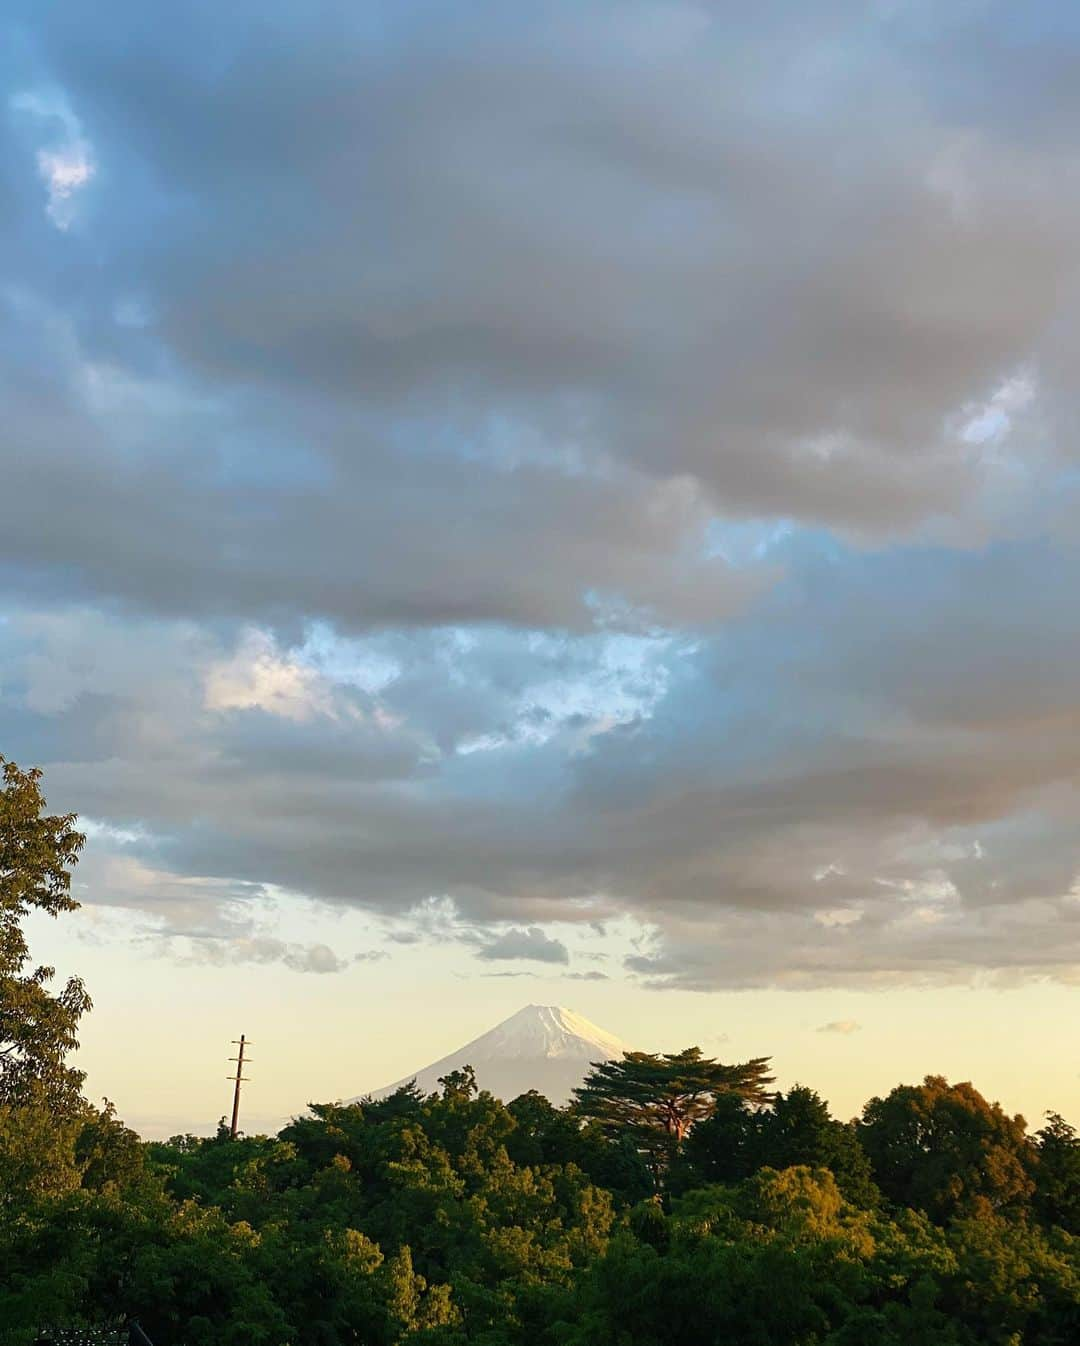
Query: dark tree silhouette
(1057,1174)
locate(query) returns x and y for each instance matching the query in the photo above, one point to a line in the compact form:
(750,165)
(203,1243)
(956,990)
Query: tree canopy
(943,1148)
(1057,1174)
(657,1098)
(37,1028)
(737,1139)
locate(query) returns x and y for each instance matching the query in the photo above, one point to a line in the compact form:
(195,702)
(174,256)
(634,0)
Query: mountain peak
(544,1047)
(549,1031)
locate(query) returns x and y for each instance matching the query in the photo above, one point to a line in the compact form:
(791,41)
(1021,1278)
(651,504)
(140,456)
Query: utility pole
(237,1079)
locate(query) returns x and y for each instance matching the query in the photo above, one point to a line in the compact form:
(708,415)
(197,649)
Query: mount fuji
(542,1047)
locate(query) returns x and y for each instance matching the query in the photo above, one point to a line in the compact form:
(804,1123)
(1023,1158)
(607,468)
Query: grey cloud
(531,943)
(798,820)
(491,355)
(502,299)
(587,976)
(897,941)
(317,958)
(400,540)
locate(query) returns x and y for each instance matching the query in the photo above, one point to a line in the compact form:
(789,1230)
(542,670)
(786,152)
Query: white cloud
(993,419)
(64,172)
(66,162)
(258,677)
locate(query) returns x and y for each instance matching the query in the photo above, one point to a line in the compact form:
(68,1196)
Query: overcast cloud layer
(505,467)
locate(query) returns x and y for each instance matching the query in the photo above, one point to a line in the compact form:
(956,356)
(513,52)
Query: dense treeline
(454,1219)
(678,1200)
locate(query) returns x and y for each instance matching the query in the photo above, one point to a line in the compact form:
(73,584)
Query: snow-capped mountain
(542,1047)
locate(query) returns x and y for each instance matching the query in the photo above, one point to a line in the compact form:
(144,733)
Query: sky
(566,503)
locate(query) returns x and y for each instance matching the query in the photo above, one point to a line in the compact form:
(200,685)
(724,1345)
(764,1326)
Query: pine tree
(658,1098)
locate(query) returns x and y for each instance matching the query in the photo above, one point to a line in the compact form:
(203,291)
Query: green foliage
(656,1099)
(452,1219)
(544,1134)
(798,1130)
(778,1259)
(460,1084)
(37,1028)
(107,1153)
(944,1149)
(1057,1174)
(721,1148)
(795,1129)
(783,1260)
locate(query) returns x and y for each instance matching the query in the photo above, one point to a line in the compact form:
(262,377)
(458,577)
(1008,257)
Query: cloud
(257,678)
(583,399)
(587,976)
(845,1026)
(820,819)
(530,943)
(313,958)
(65,164)
(317,958)
(392,526)
(64,173)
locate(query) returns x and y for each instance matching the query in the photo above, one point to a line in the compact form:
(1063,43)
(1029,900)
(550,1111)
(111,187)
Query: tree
(798,1130)
(543,1134)
(1057,1174)
(106,1151)
(793,1130)
(37,1029)
(780,1258)
(722,1148)
(459,1084)
(658,1098)
(942,1148)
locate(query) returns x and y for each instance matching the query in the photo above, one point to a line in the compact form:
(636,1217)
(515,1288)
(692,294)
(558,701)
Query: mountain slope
(542,1047)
